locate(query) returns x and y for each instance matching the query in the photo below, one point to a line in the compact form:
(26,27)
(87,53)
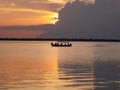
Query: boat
(61,44)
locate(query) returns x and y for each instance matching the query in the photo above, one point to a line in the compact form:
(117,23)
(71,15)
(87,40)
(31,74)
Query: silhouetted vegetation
(59,39)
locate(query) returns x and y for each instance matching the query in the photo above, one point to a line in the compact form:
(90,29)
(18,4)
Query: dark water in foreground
(38,66)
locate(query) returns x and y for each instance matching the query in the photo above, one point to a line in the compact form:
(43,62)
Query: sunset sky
(29,12)
(33,18)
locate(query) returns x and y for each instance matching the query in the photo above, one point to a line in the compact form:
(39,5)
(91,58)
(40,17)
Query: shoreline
(60,39)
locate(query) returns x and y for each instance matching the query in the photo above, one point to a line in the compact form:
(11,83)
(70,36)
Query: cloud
(78,20)
(22,10)
(20,33)
(24,31)
(30,27)
(28,12)
(25,16)
(31,4)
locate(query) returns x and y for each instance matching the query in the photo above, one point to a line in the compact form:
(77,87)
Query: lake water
(38,66)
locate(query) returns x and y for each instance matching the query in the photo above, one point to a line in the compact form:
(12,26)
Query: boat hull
(61,45)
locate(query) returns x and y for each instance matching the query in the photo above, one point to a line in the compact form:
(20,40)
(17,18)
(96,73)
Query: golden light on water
(38,66)
(41,65)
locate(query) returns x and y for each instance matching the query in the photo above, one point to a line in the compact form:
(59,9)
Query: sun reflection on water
(38,66)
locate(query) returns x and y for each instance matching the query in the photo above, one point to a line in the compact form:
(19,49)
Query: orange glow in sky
(30,12)
(26,17)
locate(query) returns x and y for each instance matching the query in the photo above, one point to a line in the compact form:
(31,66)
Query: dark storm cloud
(78,20)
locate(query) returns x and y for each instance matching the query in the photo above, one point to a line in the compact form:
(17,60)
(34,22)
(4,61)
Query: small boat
(61,44)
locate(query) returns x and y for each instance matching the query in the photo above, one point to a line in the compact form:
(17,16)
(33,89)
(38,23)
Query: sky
(26,13)
(34,18)
(100,20)
(29,12)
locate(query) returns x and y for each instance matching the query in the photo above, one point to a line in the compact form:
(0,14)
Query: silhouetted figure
(60,44)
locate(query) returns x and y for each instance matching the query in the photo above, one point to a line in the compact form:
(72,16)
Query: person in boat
(52,43)
(61,44)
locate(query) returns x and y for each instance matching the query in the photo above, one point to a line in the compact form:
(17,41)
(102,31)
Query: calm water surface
(38,66)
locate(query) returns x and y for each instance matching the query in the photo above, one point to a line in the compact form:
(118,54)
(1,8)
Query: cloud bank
(24,31)
(80,20)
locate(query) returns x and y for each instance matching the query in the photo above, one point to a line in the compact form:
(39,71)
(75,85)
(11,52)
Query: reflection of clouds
(107,75)
(99,45)
(106,66)
(80,53)
(76,66)
(89,66)
(77,75)
(106,51)
(37,65)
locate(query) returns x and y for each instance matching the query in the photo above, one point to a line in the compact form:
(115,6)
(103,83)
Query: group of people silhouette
(61,44)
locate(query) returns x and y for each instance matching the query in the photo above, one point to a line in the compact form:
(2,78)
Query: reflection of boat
(61,44)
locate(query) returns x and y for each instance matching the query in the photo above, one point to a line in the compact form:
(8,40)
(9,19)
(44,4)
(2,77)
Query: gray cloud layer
(45,27)
(78,20)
